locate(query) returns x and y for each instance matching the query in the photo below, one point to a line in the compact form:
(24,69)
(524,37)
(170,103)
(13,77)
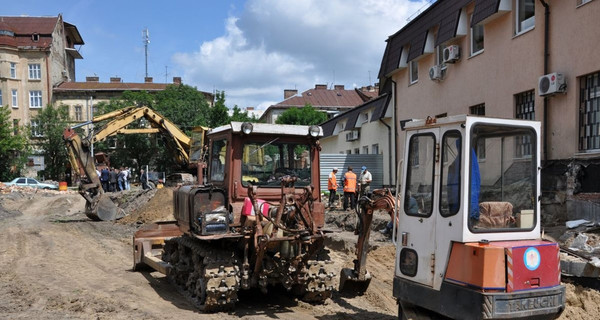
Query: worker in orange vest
(349,188)
(332,186)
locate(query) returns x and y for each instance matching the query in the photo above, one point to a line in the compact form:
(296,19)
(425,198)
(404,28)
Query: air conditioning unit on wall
(435,72)
(451,54)
(552,83)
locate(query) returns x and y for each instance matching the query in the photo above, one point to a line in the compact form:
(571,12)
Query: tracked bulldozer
(256,222)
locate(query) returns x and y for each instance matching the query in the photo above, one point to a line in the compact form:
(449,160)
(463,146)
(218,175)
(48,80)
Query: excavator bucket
(104,209)
(352,283)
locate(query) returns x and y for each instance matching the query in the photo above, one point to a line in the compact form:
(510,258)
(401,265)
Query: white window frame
(365,150)
(35,99)
(35,71)
(365,117)
(13,70)
(472,39)
(15,98)
(526,24)
(439,56)
(78,113)
(413,78)
(36,130)
(375,148)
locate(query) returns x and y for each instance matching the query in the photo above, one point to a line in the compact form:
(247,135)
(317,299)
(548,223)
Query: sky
(251,49)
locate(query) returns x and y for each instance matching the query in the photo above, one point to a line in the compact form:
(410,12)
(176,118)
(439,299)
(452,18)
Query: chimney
(147,79)
(115,79)
(249,108)
(92,79)
(177,80)
(338,87)
(289,93)
(321,86)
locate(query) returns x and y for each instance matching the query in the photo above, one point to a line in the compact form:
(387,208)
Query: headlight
(314,131)
(216,218)
(247,127)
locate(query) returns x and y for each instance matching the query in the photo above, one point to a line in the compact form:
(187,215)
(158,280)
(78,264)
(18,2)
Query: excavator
(467,224)
(186,151)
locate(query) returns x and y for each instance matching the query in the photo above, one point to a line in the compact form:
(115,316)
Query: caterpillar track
(318,281)
(209,277)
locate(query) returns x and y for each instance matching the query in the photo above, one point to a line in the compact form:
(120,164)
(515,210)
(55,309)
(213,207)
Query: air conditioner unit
(435,72)
(352,135)
(451,54)
(552,83)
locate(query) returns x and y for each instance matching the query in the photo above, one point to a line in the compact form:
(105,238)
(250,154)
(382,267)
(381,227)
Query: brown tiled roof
(380,105)
(109,86)
(319,98)
(25,27)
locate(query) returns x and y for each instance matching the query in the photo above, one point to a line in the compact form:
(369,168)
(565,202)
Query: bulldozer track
(319,280)
(207,276)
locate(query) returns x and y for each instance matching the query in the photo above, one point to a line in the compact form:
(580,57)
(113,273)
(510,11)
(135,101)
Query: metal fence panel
(373,162)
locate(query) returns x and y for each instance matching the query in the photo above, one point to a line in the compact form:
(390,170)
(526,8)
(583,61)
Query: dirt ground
(57,264)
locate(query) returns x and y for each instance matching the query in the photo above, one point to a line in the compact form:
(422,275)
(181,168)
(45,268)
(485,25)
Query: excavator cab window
(418,198)
(217,160)
(265,163)
(451,173)
(503,186)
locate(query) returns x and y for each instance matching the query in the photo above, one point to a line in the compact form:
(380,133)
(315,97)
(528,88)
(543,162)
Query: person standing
(365,182)
(104,177)
(126,176)
(112,180)
(349,188)
(332,186)
(143,179)
(121,179)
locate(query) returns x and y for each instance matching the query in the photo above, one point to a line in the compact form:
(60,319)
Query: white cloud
(275,45)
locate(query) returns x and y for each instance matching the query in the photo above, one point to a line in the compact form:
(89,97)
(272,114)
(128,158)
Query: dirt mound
(149,206)
(582,303)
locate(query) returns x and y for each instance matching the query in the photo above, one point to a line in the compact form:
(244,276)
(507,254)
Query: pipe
(546,62)
(389,151)
(395,117)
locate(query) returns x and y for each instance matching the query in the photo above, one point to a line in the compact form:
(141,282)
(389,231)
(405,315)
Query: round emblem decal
(532,258)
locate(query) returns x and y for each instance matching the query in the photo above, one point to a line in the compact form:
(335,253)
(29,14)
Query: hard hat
(335,169)
(364,167)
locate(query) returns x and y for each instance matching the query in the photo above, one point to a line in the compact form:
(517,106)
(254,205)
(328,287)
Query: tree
(240,116)
(306,115)
(48,126)
(13,147)
(183,105)
(219,114)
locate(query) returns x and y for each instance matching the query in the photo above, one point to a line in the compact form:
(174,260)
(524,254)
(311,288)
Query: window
(217,163)
(589,112)
(451,173)
(365,117)
(478,109)
(356,151)
(418,197)
(35,99)
(78,114)
(35,71)
(15,126)
(524,15)
(375,148)
(15,98)
(476,39)
(503,190)
(414,72)
(365,150)
(348,151)
(264,162)
(36,129)
(525,109)
(35,37)
(13,70)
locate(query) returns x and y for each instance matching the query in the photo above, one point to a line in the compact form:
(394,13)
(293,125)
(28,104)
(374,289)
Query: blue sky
(252,49)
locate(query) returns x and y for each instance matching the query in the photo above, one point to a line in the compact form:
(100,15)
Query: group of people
(114,180)
(350,185)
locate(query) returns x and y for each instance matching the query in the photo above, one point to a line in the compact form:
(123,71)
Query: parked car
(31,182)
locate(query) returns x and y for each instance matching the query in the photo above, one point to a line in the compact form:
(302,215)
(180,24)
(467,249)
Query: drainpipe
(389,151)
(546,62)
(395,143)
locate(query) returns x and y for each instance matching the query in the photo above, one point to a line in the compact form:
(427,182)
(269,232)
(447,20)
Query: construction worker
(332,186)
(365,182)
(349,188)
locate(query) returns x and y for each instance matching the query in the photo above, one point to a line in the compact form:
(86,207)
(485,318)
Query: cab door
(417,212)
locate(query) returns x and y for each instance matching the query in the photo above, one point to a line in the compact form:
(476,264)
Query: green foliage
(218,113)
(13,148)
(240,116)
(183,105)
(306,115)
(51,123)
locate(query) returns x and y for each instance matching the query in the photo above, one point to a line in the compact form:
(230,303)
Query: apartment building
(36,54)
(523,59)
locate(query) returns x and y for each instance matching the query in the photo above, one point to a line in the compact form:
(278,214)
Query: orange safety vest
(331,182)
(350,182)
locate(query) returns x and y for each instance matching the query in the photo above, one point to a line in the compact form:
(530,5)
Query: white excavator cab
(468,233)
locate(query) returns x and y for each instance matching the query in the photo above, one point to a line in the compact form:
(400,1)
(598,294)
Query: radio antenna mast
(146,40)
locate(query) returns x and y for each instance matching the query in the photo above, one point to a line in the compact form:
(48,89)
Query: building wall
(511,64)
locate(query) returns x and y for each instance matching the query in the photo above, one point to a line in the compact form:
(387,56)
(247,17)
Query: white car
(30,182)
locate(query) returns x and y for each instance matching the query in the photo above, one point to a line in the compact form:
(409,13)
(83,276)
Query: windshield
(502,173)
(264,163)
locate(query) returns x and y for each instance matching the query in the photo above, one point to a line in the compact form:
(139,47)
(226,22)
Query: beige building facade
(528,59)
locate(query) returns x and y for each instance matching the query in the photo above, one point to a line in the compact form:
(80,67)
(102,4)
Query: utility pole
(146,41)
